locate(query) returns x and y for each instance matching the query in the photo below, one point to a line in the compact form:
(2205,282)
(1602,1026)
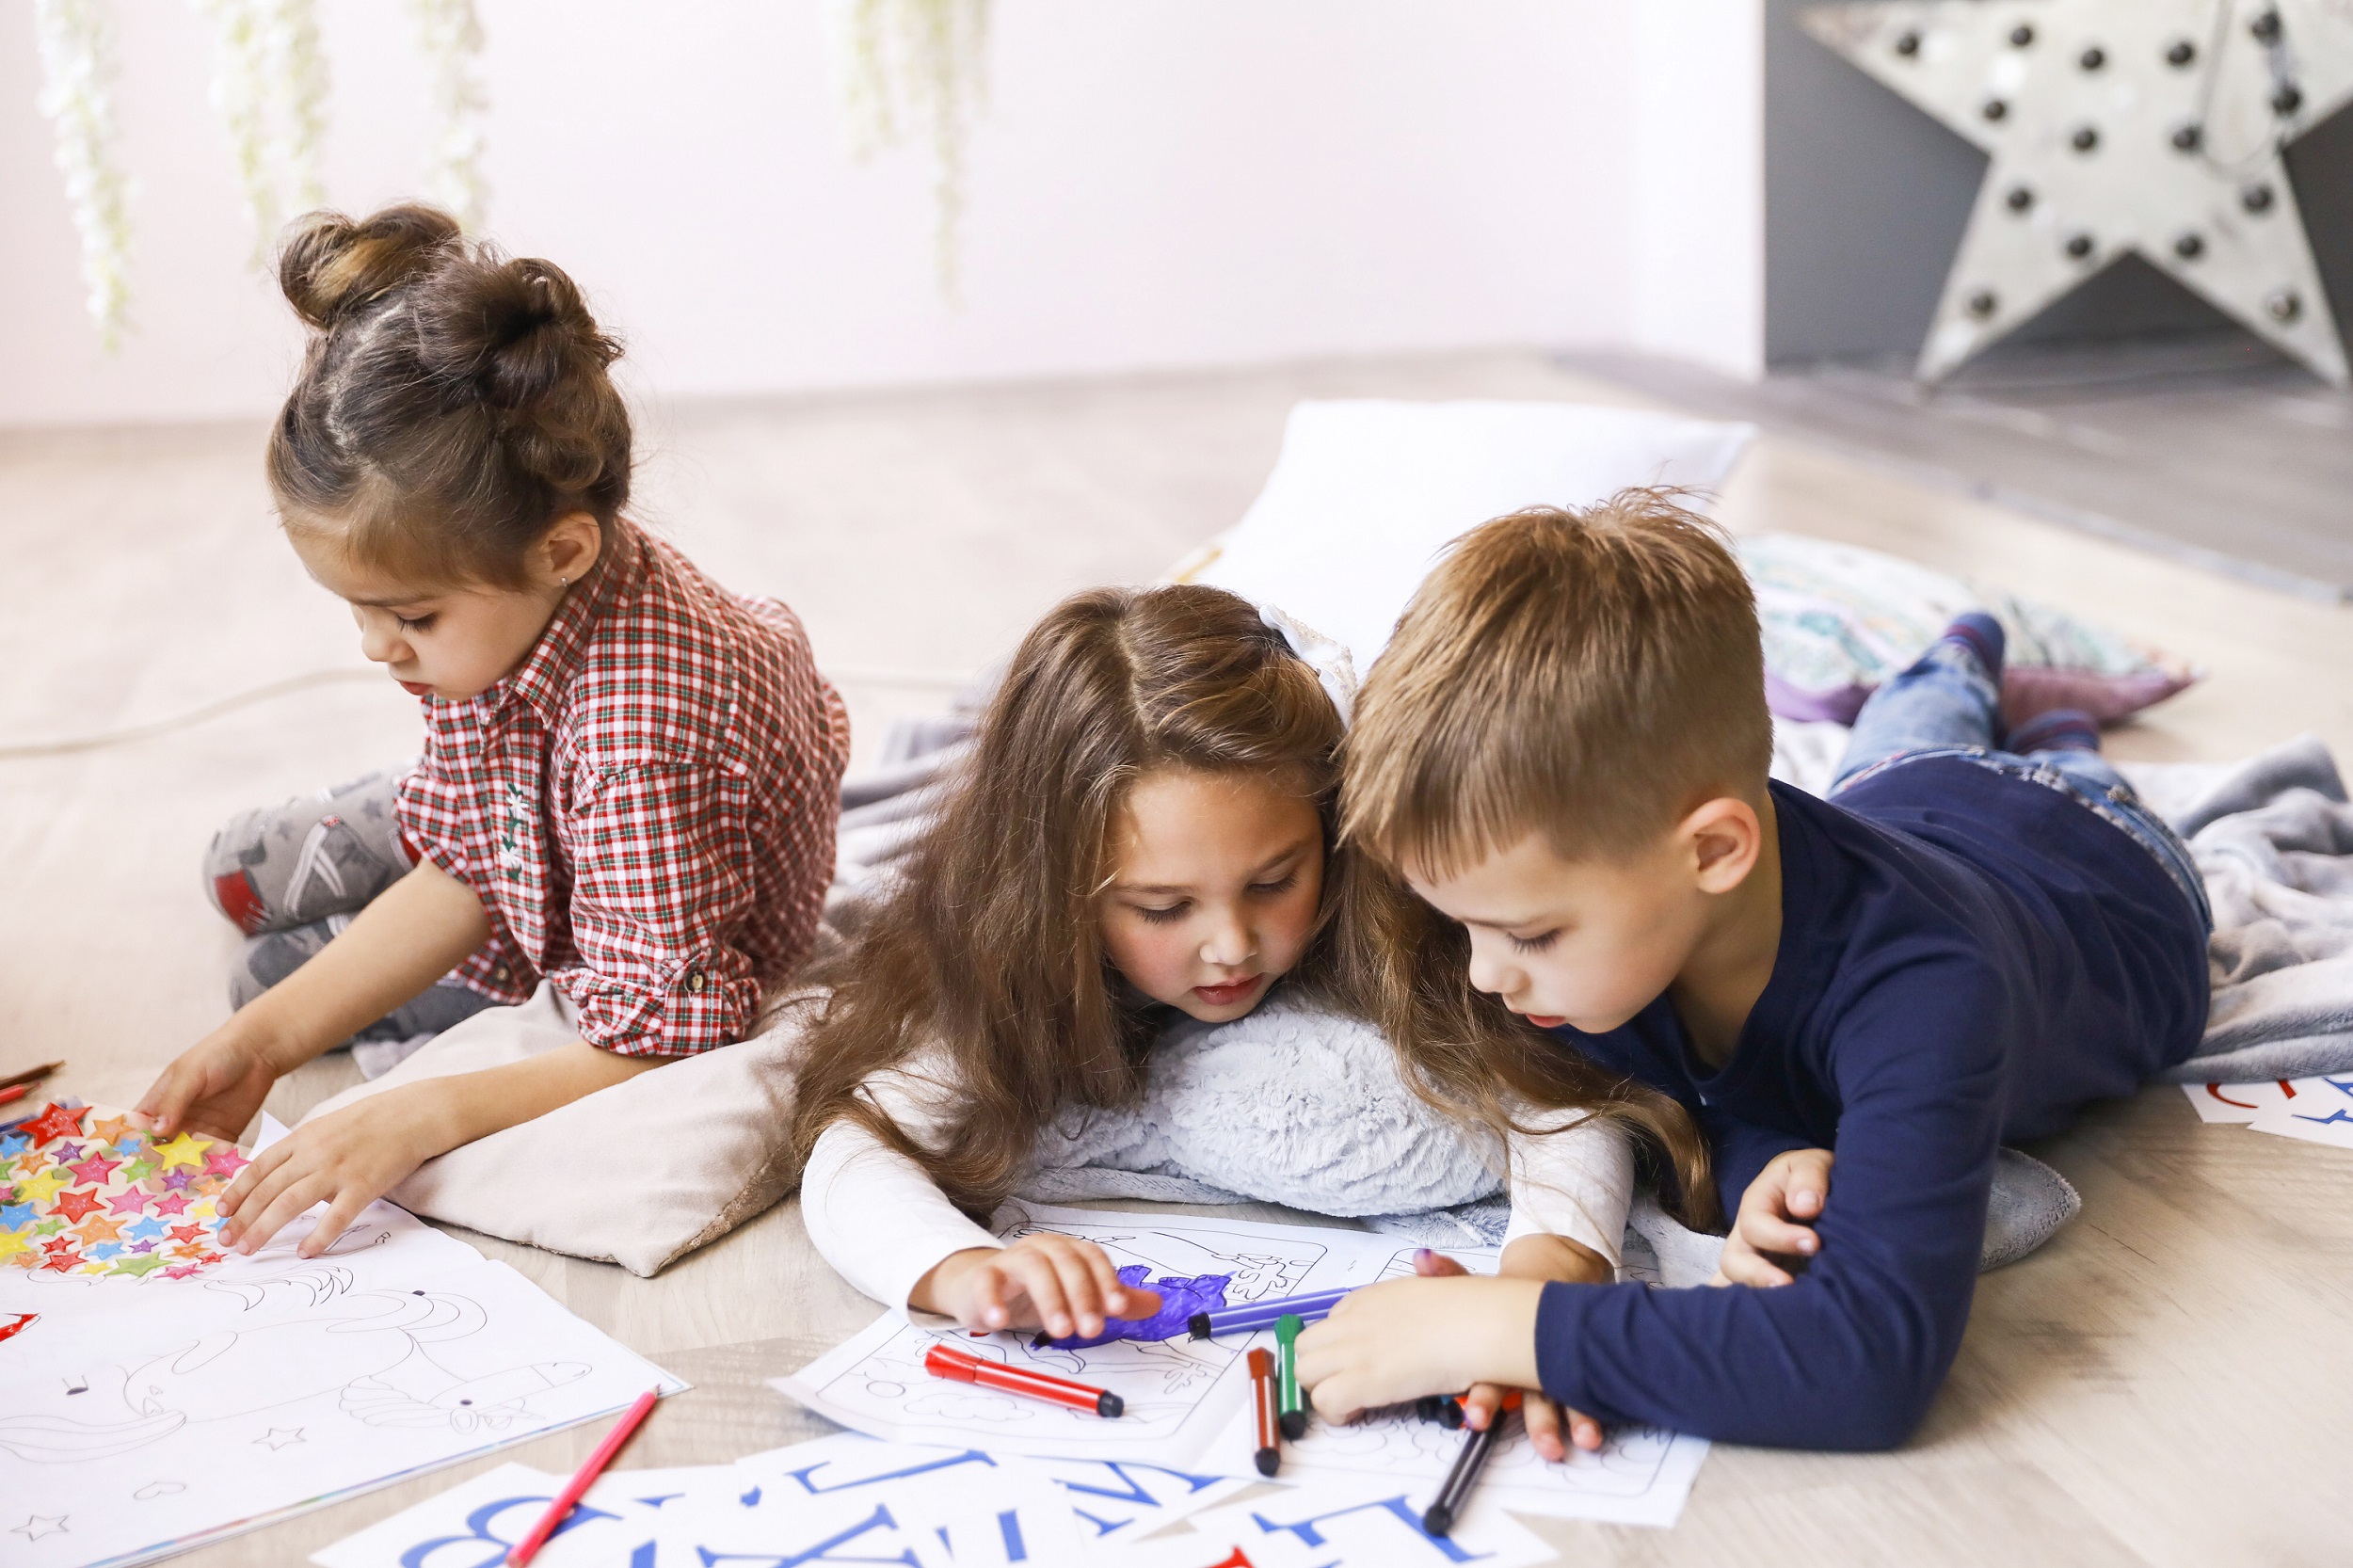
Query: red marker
(1262,1399)
(946,1361)
(528,1548)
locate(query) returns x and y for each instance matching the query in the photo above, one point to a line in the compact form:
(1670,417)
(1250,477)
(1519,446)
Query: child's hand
(1401,1339)
(1530,1258)
(347,1159)
(213,1089)
(1058,1283)
(1774,1235)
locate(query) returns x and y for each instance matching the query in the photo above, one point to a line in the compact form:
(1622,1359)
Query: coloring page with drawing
(138,1417)
(1180,1394)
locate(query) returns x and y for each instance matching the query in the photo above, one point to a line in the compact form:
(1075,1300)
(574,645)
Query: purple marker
(1250,1316)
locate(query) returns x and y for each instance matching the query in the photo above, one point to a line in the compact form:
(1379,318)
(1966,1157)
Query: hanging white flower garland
(450,34)
(919,62)
(77,70)
(269,83)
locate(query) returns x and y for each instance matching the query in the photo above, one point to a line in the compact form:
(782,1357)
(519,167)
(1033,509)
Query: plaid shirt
(646,806)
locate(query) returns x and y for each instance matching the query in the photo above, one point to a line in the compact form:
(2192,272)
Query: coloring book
(1188,1401)
(143,1414)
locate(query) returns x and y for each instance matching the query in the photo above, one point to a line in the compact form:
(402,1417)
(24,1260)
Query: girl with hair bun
(621,829)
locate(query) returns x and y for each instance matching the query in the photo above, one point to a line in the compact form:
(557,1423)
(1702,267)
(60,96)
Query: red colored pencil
(528,1548)
(946,1361)
(15,1091)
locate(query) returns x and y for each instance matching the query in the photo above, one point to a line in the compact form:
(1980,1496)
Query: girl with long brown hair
(1142,831)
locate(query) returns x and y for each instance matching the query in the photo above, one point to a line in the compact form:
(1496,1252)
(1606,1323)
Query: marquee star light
(2117,126)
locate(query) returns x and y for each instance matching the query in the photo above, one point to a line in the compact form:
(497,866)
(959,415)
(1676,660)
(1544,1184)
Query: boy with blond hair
(1564,749)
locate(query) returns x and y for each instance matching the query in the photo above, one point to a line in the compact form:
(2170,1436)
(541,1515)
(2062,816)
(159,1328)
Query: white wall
(1155,183)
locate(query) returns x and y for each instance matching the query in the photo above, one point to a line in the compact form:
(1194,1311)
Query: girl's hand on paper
(1401,1339)
(1058,1283)
(1532,1257)
(213,1089)
(1773,1237)
(345,1159)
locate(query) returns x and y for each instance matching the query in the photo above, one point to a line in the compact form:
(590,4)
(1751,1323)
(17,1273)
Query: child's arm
(878,1217)
(413,933)
(352,1157)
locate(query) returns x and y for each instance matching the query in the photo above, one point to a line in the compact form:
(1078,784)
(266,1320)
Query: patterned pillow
(1838,620)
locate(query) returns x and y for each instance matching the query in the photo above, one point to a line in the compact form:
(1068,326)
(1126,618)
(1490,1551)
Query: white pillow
(1367,494)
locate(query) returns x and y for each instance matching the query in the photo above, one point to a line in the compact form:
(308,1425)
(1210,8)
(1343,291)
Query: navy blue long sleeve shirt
(1967,958)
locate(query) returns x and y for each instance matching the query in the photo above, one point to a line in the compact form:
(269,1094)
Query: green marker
(1294,1409)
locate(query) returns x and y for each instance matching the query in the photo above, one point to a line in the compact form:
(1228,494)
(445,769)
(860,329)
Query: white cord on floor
(844,675)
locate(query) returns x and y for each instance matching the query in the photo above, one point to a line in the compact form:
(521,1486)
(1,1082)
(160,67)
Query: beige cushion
(640,1174)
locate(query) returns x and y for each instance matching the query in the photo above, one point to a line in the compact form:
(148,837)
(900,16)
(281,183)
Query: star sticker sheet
(85,1192)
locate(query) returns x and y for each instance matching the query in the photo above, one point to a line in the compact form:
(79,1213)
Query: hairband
(1335,670)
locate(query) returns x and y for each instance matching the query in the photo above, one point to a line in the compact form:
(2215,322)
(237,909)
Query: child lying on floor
(1142,831)
(1564,749)
(625,809)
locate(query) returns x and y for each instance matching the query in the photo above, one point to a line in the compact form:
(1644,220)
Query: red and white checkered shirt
(646,806)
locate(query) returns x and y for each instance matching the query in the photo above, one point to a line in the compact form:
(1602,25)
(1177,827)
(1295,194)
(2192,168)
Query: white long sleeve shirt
(878,1218)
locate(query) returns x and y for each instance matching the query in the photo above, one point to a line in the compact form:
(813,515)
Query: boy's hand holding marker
(1059,1284)
(1773,1239)
(1445,1330)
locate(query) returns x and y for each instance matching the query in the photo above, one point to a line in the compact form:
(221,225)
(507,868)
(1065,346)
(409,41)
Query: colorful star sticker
(103,1250)
(56,1121)
(183,1270)
(14,1142)
(64,1152)
(93,1170)
(43,1186)
(147,1227)
(74,1206)
(139,1169)
(11,1244)
(178,1180)
(187,1233)
(139,1267)
(224,1162)
(186,1149)
(176,1203)
(142,1246)
(109,1130)
(16,1216)
(129,1201)
(98,1227)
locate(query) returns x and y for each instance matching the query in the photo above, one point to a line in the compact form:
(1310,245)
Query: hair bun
(517,332)
(331,265)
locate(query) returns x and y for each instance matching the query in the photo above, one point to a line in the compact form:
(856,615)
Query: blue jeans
(1947,704)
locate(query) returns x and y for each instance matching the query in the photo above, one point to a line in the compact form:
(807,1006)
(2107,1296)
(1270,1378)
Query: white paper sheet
(1333,1524)
(2236,1102)
(2320,1110)
(1180,1393)
(215,1409)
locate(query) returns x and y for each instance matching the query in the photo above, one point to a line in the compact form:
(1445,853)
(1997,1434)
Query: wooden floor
(2208,446)
(2167,1383)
